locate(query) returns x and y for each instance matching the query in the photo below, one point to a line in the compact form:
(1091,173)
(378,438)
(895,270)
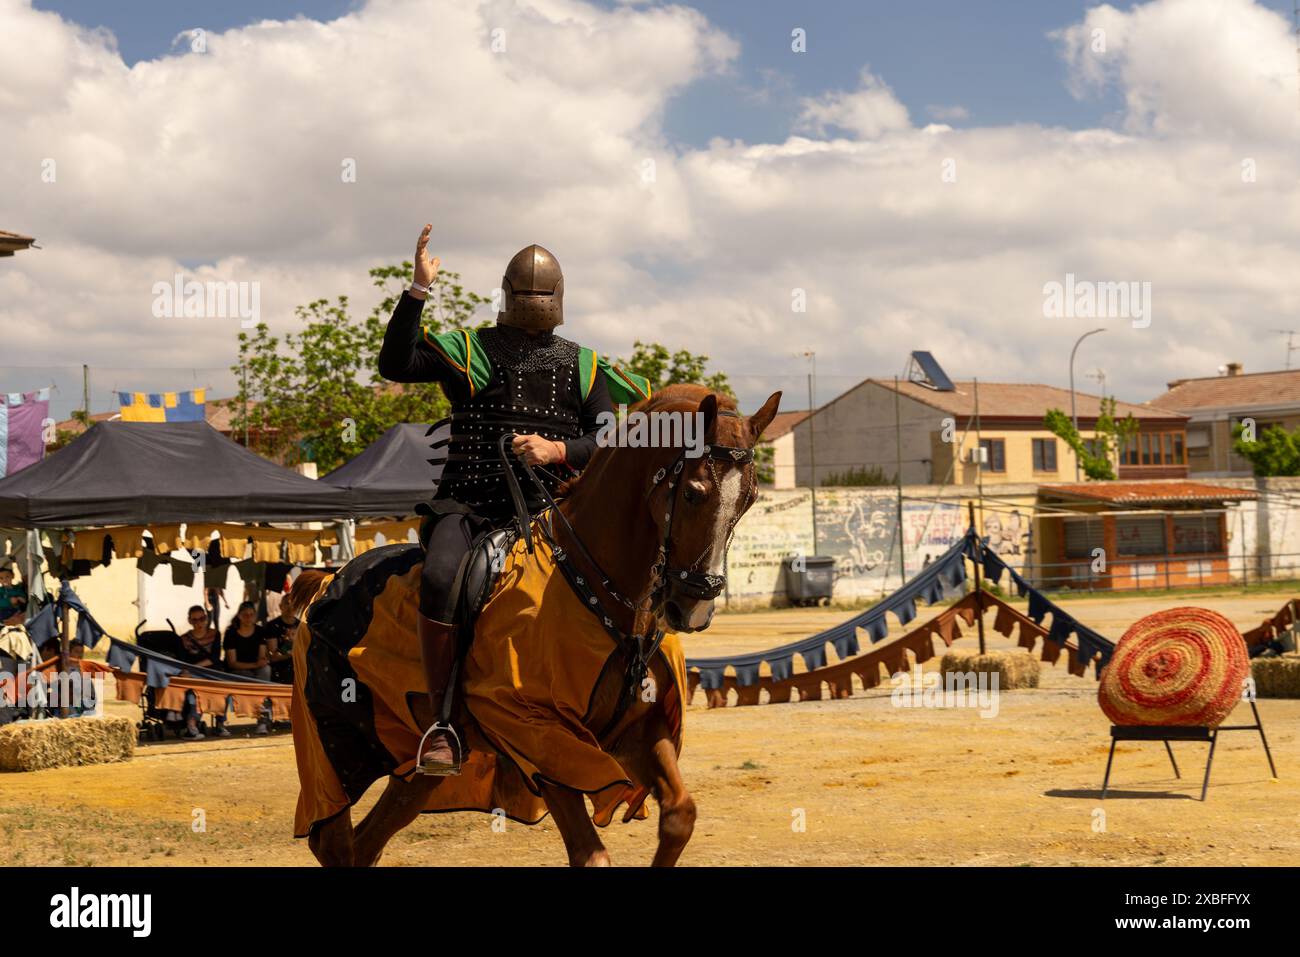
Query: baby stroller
(156,722)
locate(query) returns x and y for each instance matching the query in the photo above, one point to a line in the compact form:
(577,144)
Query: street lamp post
(1074,416)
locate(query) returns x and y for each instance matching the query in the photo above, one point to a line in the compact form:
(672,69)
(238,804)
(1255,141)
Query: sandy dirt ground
(871,784)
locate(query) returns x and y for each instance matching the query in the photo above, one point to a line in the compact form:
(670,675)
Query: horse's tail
(304,589)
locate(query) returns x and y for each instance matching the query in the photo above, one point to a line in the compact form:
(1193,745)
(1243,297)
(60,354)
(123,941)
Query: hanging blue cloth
(43,626)
(782,667)
(1062,625)
(1039,606)
(846,645)
(814,658)
(157,673)
(120,657)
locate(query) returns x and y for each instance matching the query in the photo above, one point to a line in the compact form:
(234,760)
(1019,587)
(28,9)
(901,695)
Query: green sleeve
(625,388)
(462,350)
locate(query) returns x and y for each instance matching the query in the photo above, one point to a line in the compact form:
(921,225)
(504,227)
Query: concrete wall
(858,429)
(857,527)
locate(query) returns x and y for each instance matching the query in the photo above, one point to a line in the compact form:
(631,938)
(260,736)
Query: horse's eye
(694,492)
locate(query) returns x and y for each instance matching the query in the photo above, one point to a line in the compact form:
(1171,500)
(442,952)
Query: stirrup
(446,770)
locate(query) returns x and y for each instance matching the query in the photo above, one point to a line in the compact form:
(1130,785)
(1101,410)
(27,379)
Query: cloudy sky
(913,177)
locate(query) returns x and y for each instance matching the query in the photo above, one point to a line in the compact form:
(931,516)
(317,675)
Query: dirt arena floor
(873,784)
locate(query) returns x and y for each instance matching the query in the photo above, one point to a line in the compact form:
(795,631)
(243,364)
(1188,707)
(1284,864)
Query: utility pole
(1074,416)
(243,388)
(898,483)
(85,391)
(979,454)
(979,588)
(812,438)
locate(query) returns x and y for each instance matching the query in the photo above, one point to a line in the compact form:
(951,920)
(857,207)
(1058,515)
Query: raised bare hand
(426,268)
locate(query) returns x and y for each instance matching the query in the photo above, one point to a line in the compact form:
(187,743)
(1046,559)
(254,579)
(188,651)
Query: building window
(1155,448)
(1082,536)
(1197,534)
(1129,454)
(996,450)
(1140,536)
(1044,455)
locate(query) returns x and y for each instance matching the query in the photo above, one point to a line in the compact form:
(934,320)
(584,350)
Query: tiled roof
(1021,400)
(1147,493)
(1232,392)
(12,242)
(783,423)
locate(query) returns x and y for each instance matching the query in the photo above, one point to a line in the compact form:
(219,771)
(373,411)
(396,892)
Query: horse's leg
(676,806)
(331,841)
(650,756)
(399,805)
(569,808)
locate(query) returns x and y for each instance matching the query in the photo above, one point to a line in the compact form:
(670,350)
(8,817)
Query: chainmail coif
(514,349)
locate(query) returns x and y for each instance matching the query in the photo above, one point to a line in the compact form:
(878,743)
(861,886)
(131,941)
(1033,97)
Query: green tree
(661,367)
(1275,452)
(1096,456)
(317,395)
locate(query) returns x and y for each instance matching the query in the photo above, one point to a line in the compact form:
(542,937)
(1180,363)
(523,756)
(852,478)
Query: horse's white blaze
(729,492)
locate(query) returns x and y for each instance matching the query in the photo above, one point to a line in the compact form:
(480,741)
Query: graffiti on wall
(1007,533)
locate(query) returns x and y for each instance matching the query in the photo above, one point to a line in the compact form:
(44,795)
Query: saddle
(477,576)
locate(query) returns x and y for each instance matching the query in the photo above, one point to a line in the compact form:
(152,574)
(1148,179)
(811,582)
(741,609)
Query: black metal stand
(1199,733)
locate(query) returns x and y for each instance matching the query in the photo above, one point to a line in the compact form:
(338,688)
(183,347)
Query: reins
(639,648)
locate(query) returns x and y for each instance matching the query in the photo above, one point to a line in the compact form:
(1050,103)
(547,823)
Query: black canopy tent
(141,473)
(396,472)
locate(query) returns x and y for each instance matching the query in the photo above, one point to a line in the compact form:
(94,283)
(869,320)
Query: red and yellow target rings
(1184,666)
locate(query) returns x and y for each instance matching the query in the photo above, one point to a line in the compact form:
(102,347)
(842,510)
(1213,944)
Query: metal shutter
(1196,534)
(1140,536)
(1081,537)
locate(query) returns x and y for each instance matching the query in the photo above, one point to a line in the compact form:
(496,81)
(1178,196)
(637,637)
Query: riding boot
(438,653)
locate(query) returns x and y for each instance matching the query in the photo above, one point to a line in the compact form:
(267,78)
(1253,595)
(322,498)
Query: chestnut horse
(646,531)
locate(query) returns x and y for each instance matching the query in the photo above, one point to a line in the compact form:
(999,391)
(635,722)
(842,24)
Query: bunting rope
(838,678)
(1087,647)
(928,585)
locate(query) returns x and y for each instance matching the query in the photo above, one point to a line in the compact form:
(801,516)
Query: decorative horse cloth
(530,679)
(1183,666)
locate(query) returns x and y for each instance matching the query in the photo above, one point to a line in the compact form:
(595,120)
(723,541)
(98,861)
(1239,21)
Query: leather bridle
(702,586)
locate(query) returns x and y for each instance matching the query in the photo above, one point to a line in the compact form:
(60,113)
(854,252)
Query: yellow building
(992,434)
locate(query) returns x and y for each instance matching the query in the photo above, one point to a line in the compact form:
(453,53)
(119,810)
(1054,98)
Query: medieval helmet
(532,290)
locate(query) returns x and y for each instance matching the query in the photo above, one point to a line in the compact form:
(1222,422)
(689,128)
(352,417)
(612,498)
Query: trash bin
(809,578)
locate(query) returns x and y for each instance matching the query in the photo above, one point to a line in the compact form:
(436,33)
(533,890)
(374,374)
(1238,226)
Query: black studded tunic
(534,388)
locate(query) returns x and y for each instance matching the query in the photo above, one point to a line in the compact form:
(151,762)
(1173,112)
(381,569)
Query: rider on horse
(515,378)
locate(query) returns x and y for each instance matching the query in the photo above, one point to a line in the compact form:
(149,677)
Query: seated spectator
(200,646)
(279,643)
(13,598)
(246,653)
(51,648)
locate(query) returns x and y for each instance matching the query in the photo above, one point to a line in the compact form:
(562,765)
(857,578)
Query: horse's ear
(761,419)
(709,412)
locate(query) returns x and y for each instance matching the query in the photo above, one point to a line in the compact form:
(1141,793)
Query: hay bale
(67,742)
(1015,668)
(1276,677)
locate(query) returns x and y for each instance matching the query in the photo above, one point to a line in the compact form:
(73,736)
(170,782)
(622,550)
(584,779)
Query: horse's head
(699,494)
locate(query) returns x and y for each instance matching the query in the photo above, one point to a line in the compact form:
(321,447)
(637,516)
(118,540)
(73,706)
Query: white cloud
(1199,67)
(867,112)
(232,159)
(945,113)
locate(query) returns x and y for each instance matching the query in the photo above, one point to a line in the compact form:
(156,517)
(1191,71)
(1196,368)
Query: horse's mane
(680,397)
(304,589)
